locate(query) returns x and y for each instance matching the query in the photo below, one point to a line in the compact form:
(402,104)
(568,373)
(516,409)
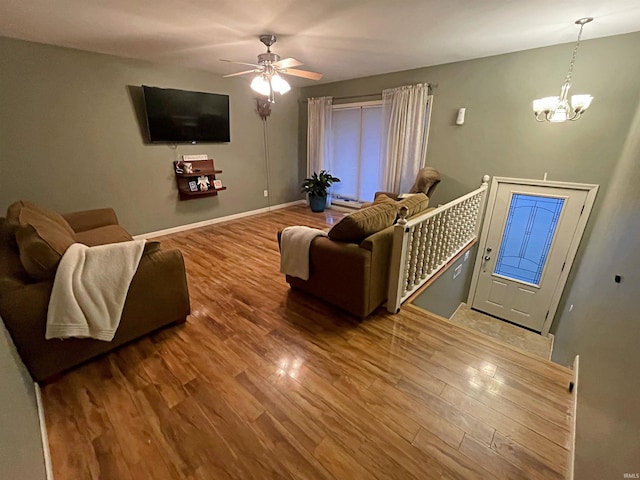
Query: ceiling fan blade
(288,62)
(302,73)
(240,63)
(239,73)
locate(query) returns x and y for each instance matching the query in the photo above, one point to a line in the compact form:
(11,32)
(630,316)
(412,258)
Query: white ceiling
(341,38)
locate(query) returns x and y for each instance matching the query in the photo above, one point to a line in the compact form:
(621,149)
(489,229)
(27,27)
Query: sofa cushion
(415,203)
(12,273)
(13,214)
(103,235)
(24,212)
(382,198)
(42,236)
(358,225)
(37,256)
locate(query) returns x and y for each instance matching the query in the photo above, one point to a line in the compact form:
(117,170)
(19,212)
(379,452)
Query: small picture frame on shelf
(193,186)
(217,184)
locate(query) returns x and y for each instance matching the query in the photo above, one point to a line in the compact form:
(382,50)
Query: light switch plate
(457,271)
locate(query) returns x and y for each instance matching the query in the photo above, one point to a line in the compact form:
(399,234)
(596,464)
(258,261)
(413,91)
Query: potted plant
(316,188)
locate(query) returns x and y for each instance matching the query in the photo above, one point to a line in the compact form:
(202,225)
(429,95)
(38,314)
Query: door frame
(591,190)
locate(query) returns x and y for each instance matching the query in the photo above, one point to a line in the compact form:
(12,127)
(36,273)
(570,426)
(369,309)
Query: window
(528,234)
(355,132)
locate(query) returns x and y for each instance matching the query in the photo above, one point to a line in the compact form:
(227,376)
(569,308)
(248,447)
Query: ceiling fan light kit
(269,70)
(559,109)
(261,86)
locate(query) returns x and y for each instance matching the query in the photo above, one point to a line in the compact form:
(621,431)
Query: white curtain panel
(405,117)
(319,134)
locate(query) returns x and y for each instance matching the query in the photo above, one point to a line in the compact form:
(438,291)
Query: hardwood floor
(265,382)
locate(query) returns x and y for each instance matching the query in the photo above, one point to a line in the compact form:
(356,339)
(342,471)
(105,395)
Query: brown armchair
(427,180)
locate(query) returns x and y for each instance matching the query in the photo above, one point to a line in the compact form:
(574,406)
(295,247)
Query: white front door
(529,239)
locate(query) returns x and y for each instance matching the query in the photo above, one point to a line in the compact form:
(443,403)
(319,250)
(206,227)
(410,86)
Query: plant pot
(317,203)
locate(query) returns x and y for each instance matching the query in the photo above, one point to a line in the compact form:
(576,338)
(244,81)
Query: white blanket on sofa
(294,250)
(90,288)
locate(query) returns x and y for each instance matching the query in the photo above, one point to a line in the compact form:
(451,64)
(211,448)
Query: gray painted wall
(21,455)
(72,138)
(446,293)
(500,137)
(604,327)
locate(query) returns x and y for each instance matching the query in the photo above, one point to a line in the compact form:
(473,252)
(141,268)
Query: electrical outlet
(457,271)
(266,193)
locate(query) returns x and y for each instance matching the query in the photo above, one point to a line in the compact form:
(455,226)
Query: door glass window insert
(530,227)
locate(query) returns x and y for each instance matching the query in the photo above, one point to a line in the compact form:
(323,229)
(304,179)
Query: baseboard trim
(43,433)
(456,310)
(205,223)
(349,205)
(553,342)
(572,450)
(341,208)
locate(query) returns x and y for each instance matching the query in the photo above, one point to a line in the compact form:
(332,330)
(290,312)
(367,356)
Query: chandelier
(559,109)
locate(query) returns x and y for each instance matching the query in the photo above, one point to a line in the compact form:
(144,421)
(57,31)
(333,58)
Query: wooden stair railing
(425,244)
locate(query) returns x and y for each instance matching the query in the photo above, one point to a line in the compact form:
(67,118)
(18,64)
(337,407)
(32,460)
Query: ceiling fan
(269,69)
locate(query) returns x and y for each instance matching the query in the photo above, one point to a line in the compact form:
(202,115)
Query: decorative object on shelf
(203,183)
(200,156)
(199,182)
(187,167)
(316,188)
(269,69)
(558,109)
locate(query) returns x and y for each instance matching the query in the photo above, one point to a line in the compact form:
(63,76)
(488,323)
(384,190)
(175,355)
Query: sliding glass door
(356,131)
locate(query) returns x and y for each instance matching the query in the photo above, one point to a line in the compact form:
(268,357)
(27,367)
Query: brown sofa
(32,241)
(350,268)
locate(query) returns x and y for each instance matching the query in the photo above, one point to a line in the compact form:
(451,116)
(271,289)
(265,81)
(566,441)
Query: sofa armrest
(159,288)
(340,274)
(90,219)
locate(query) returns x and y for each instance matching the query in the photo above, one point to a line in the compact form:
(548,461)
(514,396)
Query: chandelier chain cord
(573,57)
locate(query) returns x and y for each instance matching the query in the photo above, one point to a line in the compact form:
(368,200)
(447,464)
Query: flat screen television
(180,116)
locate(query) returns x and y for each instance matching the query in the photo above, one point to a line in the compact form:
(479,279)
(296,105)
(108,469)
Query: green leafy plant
(318,183)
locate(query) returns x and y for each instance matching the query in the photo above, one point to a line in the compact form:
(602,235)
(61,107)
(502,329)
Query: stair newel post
(401,234)
(482,205)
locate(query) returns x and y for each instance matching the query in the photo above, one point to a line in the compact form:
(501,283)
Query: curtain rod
(378,94)
(349,97)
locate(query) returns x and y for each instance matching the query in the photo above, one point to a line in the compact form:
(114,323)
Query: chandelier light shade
(560,109)
(279,84)
(268,83)
(261,85)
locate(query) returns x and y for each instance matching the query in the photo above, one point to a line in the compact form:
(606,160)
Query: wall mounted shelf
(187,181)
